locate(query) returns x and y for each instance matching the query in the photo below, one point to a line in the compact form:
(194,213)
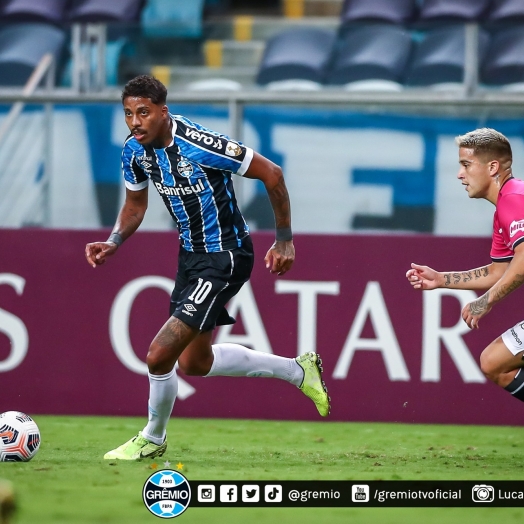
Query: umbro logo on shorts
(188,308)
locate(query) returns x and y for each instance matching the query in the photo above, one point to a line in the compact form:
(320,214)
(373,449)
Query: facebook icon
(228,493)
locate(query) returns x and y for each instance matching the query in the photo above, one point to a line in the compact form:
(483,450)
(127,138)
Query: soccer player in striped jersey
(485,158)
(191,167)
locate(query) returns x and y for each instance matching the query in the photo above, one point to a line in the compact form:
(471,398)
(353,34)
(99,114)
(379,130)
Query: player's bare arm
(510,280)
(425,278)
(129,219)
(281,255)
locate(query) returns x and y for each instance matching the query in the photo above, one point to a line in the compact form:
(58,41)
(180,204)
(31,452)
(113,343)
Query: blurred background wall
(359,101)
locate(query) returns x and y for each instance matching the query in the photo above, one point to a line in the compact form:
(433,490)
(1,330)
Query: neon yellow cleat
(137,448)
(312,385)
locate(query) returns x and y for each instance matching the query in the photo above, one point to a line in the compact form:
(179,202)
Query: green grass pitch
(69,482)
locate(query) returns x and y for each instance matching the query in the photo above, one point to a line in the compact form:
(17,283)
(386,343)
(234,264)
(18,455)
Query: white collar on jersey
(173,129)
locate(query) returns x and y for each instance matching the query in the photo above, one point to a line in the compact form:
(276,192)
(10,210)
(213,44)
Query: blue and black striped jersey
(193,177)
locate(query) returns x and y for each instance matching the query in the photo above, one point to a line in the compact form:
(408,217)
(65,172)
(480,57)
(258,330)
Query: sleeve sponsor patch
(515,227)
(202,138)
(233,149)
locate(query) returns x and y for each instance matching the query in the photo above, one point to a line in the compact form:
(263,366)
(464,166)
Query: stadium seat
(173,19)
(296,54)
(31,11)
(294,85)
(86,11)
(214,84)
(374,85)
(22,46)
(375,52)
(453,10)
(504,61)
(392,11)
(506,11)
(448,86)
(216,7)
(439,57)
(518,87)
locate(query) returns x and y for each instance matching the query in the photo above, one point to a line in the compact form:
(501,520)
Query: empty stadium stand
(287,44)
(439,57)
(94,11)
(172,19)
(504,61)
(297,54)
(22,46)
(506,12)
(375,52)
(392,11)
(453,10)
(52,11)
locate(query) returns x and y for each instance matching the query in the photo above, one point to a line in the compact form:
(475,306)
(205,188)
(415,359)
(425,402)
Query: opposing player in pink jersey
(485,170)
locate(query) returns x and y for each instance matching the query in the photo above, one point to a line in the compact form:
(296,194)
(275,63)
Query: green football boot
(137,448)
(312,385)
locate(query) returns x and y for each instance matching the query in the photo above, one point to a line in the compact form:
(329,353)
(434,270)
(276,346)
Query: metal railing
(415,99)
(88,47)
(44,67)
(16,195)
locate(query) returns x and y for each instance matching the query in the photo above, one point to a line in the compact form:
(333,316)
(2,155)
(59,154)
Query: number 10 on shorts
(202,290)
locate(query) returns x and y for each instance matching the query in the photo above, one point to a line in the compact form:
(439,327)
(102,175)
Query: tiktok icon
(273,493)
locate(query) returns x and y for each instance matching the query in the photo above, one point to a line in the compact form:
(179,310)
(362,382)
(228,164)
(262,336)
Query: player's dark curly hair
(146,86)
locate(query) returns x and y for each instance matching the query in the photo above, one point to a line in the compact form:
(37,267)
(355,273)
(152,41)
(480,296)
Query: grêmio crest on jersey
(193,177)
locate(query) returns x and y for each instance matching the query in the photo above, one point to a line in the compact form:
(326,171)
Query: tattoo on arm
(481,272)
(465,276)
(480,305)
(506,289)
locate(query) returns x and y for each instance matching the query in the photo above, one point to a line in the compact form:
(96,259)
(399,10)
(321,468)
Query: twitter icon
(250,493)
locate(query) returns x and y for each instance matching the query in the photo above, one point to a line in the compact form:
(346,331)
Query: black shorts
(206,282)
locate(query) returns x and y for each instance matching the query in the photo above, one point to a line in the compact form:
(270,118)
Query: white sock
(162,394)
(234,360)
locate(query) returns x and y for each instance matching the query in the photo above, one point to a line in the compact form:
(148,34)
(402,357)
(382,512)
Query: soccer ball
(19,437)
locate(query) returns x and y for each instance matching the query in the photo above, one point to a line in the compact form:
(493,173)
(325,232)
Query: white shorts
(513,338)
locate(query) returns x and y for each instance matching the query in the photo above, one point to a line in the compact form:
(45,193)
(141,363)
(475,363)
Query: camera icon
(206,493)
(483,493)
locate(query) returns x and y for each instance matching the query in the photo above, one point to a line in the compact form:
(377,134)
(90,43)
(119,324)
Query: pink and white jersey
(508,221)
